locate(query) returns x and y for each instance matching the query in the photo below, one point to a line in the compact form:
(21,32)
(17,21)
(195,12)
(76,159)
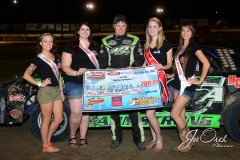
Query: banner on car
(121,89)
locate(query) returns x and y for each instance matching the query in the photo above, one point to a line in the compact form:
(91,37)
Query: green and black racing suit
(121,52)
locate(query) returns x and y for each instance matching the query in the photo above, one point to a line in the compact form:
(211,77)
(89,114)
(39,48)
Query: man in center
(122,50)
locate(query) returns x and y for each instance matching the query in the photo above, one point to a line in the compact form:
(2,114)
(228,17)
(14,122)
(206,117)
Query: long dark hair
(181,43)
(75,41)
(39,47)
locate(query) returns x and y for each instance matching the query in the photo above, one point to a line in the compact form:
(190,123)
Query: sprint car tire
(231,120)
(61,134)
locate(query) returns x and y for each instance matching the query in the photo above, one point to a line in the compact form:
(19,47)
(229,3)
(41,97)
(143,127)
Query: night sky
(136,11)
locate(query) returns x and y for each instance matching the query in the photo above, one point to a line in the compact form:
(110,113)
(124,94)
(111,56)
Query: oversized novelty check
(121,89)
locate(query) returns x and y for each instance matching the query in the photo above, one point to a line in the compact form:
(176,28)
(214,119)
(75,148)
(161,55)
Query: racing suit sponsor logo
(140,49)
(126,41)
(112,42)
(121,50)
(101,49)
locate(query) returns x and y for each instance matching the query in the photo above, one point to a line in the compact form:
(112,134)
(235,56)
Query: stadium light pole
(15,10)
(159,10)
(90,9)
(90,6)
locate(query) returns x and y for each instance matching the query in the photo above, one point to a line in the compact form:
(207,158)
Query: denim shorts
(73,90)
(48,94)
(187,94)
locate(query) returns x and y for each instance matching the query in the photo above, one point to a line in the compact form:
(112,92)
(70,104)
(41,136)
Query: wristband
(39,84)
(76,73)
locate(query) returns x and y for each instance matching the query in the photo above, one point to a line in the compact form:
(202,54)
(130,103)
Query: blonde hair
(161,36)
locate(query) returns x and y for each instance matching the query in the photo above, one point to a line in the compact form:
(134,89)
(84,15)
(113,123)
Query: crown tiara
(44,34)
(154,18)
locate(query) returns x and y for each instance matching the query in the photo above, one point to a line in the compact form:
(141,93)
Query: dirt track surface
(18,142)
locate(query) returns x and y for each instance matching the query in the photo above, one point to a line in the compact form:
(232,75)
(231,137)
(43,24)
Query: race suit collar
(120,37)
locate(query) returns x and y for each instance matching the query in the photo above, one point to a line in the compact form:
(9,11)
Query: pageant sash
(51,64)
(161,74)
(90,54)
(181,76)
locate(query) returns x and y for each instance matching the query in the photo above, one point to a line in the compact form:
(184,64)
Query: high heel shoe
(50,148)
(157,144)
(151,144)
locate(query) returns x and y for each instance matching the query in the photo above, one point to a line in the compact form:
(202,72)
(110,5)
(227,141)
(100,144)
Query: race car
(215,103)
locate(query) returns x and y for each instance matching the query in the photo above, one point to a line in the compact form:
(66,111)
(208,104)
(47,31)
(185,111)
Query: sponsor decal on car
(16,98)
(164,119)
(233,80)
(15,113)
